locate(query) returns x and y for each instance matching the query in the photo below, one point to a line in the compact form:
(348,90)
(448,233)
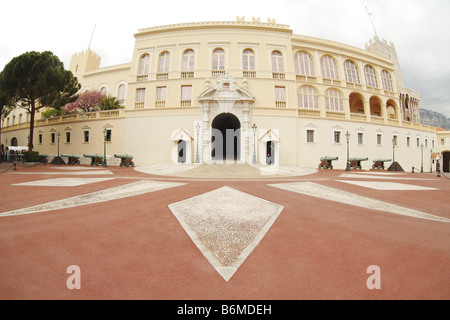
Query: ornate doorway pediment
(226,96)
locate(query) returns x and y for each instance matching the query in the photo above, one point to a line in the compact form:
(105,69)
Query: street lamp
(347,136)
(58,160)
(105,134)
(197,157)
(394,144)
(421,160)
(254,127)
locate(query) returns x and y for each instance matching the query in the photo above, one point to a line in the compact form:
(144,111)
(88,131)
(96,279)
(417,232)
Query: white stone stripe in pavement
(327,193)
(124,191)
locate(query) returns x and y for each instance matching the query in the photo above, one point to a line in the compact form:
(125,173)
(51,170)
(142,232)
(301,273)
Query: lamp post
(394,144)
(347,136)
(58,160)
(254,127)
(105,133)
(59,138)
(197,157)
(421,160)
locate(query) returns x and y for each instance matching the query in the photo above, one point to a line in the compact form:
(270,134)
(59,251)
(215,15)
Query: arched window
(304,64)
(333,100)
(387,81)
(218,59)
(351,72)
(371,78)
(144,64)
(248,60)
(277,62)
(188,60)
(121,94)
(308,98)
(329,68)
(164,62)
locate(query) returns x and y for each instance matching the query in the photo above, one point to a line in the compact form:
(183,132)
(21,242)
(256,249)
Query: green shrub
(33,157)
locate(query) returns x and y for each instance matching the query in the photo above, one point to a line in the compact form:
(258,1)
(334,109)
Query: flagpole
(370,17)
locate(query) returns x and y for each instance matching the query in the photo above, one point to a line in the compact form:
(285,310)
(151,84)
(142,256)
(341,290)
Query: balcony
(278,75)
(187,74)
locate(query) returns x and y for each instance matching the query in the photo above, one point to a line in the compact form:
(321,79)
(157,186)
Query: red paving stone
(134,248)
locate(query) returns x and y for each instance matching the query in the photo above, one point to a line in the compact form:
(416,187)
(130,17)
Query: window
(218,60)
(337,137)
(277,62)
(161,95)
(308,98)
(426,143)
(280,97)
(40,138)
(351,72)
(188,60)
(442,142)
(140,98)
(121,94)
(387,81)
(304,64)
(52,137)
(418,142)
(333,100)
(144,65)
(408,141)
(360,138)
(186,96)
(371,78)
(67,136)
(379,139)
(329,68)
(310,133)
(163,66)
(248,60)
(394,140)
(86,136)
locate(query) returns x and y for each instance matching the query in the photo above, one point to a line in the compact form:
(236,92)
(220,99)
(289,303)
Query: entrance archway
(446,161)
(226,138)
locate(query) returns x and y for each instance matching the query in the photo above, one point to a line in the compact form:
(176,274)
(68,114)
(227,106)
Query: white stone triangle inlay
(226,225)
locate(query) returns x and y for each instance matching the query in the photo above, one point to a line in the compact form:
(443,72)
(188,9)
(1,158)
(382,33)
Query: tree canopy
(36,80)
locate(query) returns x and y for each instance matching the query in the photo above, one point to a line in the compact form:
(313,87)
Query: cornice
(214,24)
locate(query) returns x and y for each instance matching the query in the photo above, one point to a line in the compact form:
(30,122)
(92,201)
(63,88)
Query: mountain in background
(435,119)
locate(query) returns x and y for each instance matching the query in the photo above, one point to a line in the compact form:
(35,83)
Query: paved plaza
(222,232)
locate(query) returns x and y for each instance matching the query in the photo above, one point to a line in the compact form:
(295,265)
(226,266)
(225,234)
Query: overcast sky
(419,29)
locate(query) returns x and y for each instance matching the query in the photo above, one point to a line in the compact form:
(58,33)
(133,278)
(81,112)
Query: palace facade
(258,89)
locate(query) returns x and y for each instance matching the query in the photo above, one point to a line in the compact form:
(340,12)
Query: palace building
(243,91)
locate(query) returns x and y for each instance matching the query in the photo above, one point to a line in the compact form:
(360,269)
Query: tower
(409,98)
(83,62)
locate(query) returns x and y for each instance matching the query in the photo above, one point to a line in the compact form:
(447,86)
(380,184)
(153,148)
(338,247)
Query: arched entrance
(446,161)
(14,142)
(226,138)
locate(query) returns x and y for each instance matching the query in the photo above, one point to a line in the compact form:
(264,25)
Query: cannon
(43,158)
(125,160)
(379,163)
(96,159)
(327,162)
(355,163)
(73,159)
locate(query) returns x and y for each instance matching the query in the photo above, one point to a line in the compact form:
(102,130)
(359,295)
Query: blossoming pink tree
(88,101)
